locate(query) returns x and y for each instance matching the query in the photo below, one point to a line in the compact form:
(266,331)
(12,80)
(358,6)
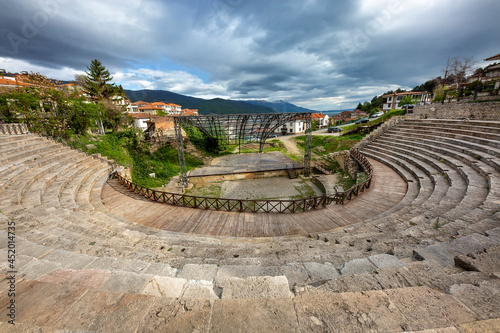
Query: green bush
(126,149)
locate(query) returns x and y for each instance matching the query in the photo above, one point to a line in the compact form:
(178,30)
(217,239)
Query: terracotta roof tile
(140,115)
(495,57)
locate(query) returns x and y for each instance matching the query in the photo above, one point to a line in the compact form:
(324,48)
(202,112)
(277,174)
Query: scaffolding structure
(225,130)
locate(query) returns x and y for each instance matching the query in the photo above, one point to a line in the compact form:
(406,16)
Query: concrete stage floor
(245,163)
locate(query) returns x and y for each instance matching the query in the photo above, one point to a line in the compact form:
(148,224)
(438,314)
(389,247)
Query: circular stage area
(386,190)
(245,166)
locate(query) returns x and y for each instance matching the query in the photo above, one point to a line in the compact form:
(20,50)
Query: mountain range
(204,106)
(217,105)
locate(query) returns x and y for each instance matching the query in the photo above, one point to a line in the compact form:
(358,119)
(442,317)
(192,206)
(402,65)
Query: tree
(407,100)
(457,69)
(98,87)
(428,86)
(439,94)
(97,80)
(80,80)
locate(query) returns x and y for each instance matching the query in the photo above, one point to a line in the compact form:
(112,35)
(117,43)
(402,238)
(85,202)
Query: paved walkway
(387,190)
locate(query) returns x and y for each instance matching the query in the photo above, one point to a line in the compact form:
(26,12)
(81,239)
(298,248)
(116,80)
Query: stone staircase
(430,262)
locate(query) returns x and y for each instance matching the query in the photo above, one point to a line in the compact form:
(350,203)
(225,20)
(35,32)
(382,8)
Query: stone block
(370,311)
(164,286)
(68,259)
(483,299)
(257,287)
(204,272)
(37,268)
(254,316)
(318,272)
(199,289)
(40,303)
(176,315)
(484,326)
(126,282)
(59,275)
(90,278)
(428,308)
(101,311)
(101,263)
(357,266)
(129,265)
(161,269)
(385,260)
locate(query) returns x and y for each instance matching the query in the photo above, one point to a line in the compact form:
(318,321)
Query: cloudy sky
(319,54)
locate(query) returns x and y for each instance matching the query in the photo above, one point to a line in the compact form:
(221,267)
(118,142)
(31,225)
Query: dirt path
(290,144)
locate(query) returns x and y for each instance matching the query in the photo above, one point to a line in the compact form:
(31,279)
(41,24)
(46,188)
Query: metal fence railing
(255,206)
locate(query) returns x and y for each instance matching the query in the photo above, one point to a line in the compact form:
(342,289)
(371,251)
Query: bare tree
(457,69)
(80,80)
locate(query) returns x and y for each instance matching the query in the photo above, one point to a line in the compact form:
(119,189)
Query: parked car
(377,114)
(361,121)
(273,135)
(334,129)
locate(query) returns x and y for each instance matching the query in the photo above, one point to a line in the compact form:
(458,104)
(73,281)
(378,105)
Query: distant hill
(212,106)
(334,112)
(280,106)
(283,106)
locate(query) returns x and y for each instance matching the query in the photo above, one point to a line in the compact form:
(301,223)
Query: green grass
(212,190)
(277,145)
(305,189)
(330,144)
(126,149)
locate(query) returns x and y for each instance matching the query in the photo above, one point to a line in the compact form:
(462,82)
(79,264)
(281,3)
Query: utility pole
(444,82)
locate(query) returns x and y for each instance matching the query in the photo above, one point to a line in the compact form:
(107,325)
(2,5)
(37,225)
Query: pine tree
(97,80)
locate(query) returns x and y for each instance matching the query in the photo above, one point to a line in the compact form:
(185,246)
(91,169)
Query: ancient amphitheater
(427,261)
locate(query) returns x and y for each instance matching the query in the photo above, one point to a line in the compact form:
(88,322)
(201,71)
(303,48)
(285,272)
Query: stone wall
(346,162)
(387,125)
(472,111)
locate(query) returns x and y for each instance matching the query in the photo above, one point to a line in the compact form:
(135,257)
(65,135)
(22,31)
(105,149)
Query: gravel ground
(267,188)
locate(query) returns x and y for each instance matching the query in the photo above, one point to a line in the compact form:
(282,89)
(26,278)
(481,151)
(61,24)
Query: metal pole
(183,180)
(308,141)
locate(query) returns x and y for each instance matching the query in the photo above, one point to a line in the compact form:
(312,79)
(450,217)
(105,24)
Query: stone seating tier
(429,262)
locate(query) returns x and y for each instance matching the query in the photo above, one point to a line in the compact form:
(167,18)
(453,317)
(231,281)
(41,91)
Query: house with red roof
(140,119)
(189,112)
(151,109)
(322,119)
(12,82)
(160,126)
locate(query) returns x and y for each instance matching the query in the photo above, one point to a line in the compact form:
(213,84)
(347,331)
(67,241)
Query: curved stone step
(92,188)
(33,193)
(476,190)
(33,162)
(494,143)
(427,184)
(53,191)
(71,189)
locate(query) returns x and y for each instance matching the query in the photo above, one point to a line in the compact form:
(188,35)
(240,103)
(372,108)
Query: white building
(392,100)
(293,127)
(140,120)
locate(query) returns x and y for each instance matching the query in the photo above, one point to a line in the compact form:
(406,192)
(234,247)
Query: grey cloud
(258,49)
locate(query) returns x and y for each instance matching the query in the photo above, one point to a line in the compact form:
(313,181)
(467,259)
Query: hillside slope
(212,106)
